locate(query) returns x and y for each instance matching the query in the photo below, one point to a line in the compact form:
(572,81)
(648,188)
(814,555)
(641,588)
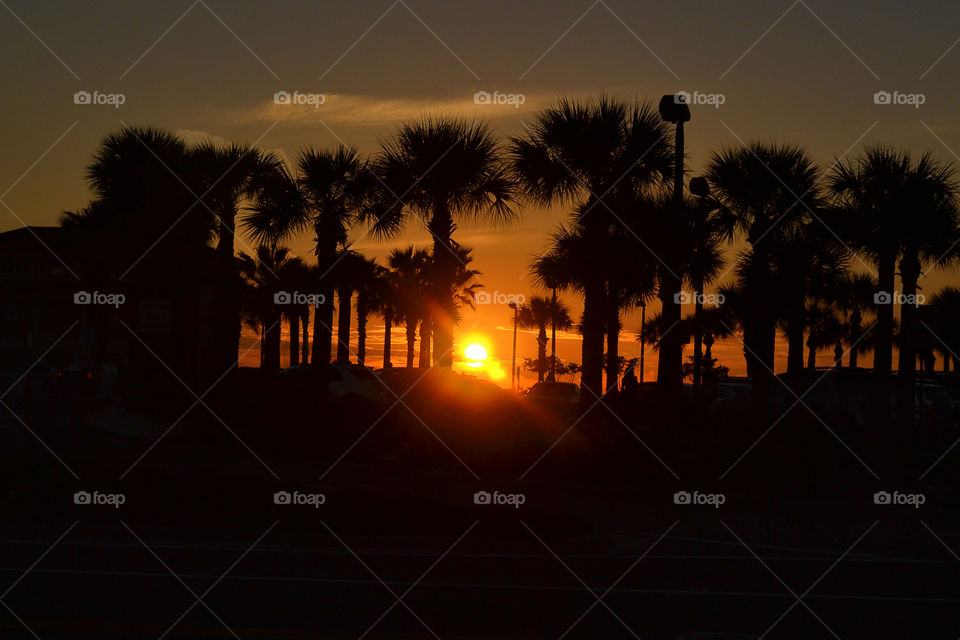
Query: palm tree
(824,328)
(853,296)
(296,277)
(946,305)
(810,266)
(388,308)
(899,208)
(263,279)
(548,273)
(143,226)
(330,192)
(369,300)
(536,313)
(764,191)
(348,274)
(409,267)
(587,154)
(231,175)
(560,268)
(440,170)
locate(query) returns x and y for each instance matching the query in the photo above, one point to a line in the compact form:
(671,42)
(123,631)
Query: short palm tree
(946,305)
(537,313)
(441,170)
(409,267)
(369,300)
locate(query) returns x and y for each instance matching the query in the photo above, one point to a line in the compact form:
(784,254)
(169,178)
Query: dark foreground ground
(399,548)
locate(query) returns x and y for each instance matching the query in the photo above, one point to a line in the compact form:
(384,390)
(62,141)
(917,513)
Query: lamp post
(673,109)
(643,337)
(514,375)
(700,188)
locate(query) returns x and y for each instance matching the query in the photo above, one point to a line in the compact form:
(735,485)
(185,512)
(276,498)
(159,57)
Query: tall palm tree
(230,176)
(536,313)
(441,170)
(329,193)
(143,226)
(409,266)
(586,154)
(765,190)
(549,273)
(899,208)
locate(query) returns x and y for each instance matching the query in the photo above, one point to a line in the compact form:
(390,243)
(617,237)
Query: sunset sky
(801,72)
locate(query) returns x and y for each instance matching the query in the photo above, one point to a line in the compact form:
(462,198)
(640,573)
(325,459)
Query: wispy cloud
(356,109)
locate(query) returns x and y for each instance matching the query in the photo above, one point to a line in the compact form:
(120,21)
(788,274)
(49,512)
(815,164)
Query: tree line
(822,246)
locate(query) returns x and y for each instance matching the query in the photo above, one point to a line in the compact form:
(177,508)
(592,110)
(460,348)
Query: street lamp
(514,375)
(674,108)
(643,337)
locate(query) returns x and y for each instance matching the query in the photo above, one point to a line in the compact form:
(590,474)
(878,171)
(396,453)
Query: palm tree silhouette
(536,313)
(369,286)
(765,190)
(548,272)
(439,170)
(585,154)
(853,296)
(898,208)
(262,275)
(296,277)
(328,195)
(231,175)
(409,267)
(946,305)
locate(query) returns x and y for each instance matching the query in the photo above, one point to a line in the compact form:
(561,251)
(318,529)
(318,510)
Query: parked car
(347,383)
(555,396)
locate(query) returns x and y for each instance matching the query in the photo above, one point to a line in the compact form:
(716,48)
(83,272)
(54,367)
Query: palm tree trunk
(411,340)
(228,295)
(387,338)
(444,263)
(883,346)
(294,321)
(670,356)
(552,375)
(425,343)
(811,355)
(591,377)
(323,327)
(856,319)
(343,325)
(795,325)
(613,341)
(305,342)
(361,332)
(541,352)
(906,366)
(697,335)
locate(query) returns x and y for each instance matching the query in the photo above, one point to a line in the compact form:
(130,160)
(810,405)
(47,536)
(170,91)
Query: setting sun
(475,352)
